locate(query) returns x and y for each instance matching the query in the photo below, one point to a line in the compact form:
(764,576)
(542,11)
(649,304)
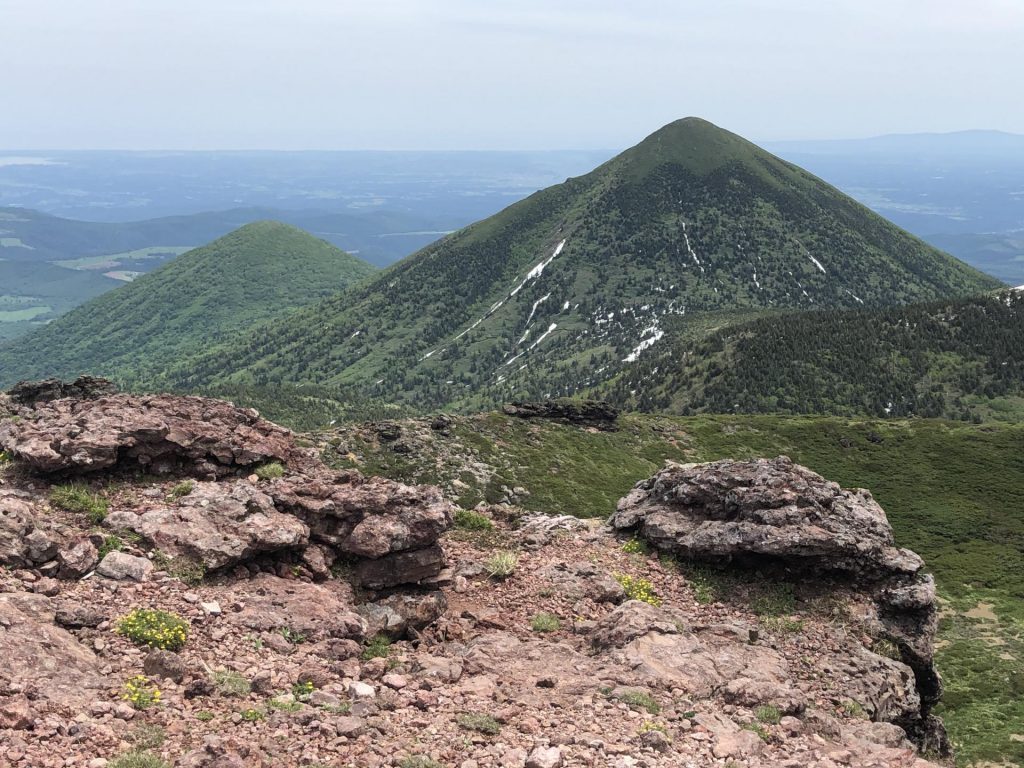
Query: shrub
(138,760)
(270,471)
(377,647)
(110,544)
(641,700)
(184,488)
(302,691)
(252,715)
(204,716)
(636,546)
(80,499)
(146,736)
(231,683)
(155,628)
(768,714)
(500,565)
(419,761)
(545,622)
(141,693)
(293,636)
(638,588)
(469,520)
(479,722)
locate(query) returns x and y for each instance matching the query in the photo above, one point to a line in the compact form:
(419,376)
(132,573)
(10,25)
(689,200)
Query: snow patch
(542,336)
(536,272)
(649,336)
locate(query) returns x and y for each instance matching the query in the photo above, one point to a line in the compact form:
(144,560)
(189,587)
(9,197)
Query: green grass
(80,499)
(545,622)
(21,315)
(641,700)
(271,471)
(479,722)
(377,647)
(138,760)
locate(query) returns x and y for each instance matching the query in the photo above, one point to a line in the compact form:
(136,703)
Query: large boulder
(761,509)
(772,513)
(22,542)
(158,432)
(216,524)
(312,611)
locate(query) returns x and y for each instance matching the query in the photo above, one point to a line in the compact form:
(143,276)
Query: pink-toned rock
(158,432)
(315,611)
(216,524)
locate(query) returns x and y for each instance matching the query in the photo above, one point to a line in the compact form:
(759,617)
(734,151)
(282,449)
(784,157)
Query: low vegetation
(141,693)
(479,722)
(80,499)
(155,628)
(545,622)
(638,588)
(501,565)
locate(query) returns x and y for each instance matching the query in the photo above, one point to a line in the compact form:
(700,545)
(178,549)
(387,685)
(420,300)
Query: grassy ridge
(951,491)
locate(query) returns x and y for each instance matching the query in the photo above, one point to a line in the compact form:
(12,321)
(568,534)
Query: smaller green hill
(201,298)
(960,359)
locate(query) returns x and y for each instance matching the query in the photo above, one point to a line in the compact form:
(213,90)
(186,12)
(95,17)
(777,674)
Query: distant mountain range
(568,287)
(203,297)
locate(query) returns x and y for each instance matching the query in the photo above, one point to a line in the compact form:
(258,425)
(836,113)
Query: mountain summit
(563,289)
(202,297)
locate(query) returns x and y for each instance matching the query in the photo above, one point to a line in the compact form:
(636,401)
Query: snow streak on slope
(534,273)
(649,336)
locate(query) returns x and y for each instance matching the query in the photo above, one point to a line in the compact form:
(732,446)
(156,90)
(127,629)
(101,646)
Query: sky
(496,74)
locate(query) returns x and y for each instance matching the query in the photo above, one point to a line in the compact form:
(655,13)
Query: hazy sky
(493,74)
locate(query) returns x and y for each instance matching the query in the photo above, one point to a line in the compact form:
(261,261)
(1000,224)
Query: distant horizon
(11,152)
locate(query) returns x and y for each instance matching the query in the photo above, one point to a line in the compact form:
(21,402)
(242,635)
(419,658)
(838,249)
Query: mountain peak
(696,144)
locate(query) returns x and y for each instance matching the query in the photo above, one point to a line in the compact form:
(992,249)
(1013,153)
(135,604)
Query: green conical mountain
(206,296)
(568,286)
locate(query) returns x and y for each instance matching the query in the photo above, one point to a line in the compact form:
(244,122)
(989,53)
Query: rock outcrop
(587,413)
(83,388)
(782,517)
(159,433)
(389,530)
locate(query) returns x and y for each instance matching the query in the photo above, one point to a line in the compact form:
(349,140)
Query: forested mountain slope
(962,359)
(566,288)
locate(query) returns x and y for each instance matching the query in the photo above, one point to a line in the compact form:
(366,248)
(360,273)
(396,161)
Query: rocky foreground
(338,620)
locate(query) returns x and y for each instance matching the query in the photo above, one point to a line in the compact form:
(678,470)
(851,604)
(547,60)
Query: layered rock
(159,433)
(83,388)
(588,413)
(388,530)
(775,514)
